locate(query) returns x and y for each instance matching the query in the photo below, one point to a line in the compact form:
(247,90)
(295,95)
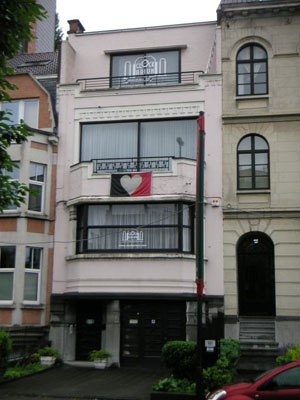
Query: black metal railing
(132,81)
(109,165)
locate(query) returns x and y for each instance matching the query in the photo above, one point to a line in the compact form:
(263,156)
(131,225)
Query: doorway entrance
(256,275)
(147,326)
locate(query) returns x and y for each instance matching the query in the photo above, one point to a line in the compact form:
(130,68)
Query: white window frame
(8,270)
(32,270)
(42,184)
(21,110)
(7,173)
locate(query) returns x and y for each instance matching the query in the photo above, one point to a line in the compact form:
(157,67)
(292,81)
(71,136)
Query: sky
(98,15)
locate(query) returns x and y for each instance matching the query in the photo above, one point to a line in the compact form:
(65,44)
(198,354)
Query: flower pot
(100,364)
(47,360)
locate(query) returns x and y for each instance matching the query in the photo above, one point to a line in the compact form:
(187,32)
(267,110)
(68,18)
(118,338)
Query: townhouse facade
(261,164)
(124,263)
(27,232)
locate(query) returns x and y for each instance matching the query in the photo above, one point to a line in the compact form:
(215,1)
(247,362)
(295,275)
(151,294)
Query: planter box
(47,361)
(100,364)
(172,396)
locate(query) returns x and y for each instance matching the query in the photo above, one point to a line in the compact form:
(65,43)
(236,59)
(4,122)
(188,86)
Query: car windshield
(263,374)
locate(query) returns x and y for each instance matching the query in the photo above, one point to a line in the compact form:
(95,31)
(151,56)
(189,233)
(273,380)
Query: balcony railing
(132,81)
(110,165)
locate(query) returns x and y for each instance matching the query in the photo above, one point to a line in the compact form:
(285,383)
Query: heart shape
(130,184)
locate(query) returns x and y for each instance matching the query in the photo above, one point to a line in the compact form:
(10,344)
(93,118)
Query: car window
(289,379)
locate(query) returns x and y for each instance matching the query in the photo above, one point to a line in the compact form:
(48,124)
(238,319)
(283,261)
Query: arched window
(253,163)
(251,67)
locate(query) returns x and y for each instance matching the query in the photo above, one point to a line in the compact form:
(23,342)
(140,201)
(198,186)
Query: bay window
(7,266)
(135,227)
(33,258)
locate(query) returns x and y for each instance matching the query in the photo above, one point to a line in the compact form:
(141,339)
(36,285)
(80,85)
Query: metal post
(200,248)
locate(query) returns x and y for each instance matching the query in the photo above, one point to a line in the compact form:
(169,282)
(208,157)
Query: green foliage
(34,358)
(180,358)
(292,354)
(16,17)
(230,349)
(58,35)
(217,375)
(5,349)
(22,370)
(99,355)
(48,351)
(174,385)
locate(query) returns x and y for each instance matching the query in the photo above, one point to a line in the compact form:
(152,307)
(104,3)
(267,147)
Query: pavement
(74,382)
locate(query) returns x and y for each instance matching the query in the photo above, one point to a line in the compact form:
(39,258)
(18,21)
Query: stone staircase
(258,343)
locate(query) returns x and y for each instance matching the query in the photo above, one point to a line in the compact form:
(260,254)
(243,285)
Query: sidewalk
(68,382)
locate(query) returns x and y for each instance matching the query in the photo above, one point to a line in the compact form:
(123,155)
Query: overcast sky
(97,15)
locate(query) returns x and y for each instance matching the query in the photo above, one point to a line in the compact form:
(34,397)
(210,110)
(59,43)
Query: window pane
(245,171)
(7,257)
(35,201)
(31,286)
(37,172)
(288,379)
(245,144)
(6,285)
(260,78)
(261,158)
(260,88)
(116,140)
(31,113)
(260,67)
(244,79)
(259,52)
(244,159)
(244,68)
(186,239)
(186,220)
(13,108)
(244,54)
(245,183)
(260,143)
(244,89)
(261,182)
(261,170)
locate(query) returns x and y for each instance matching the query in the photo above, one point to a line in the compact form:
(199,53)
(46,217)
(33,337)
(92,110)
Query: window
(37,184)
(33,258)
(251,65)
(7,265)
(289,379)
(14,176)
(253,163)
(146,139)
(135,227)
(149,68)
(26,110)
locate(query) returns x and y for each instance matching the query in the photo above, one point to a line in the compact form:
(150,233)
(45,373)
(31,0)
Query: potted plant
(48,355)
(100,358)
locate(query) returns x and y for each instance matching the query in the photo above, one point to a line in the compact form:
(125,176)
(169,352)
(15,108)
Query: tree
(16,19)
(58,33)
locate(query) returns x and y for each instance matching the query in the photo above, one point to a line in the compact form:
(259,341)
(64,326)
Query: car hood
(237,387)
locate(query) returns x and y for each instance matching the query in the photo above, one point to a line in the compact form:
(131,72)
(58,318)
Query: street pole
(200,248)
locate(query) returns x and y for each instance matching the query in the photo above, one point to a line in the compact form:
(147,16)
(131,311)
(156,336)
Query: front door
(147,326)
(88,329)
(256,278)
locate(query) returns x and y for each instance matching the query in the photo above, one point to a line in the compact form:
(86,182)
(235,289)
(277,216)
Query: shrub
(230,349)
(99,355)
(217,375)
(48,352)
(292,354)
(22,370)
(174,385)
(5,349)
(180,358)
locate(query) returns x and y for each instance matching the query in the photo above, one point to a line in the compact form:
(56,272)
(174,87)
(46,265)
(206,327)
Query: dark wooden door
(88,329)
(256,278)
(146,326)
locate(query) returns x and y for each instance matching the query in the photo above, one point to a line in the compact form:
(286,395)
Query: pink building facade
(124,260)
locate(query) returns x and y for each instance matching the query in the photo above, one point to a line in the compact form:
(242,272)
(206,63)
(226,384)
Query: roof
(248,1)
(36,63)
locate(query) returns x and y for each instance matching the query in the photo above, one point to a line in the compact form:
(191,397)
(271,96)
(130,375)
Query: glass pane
(186,220)
(244,159)
(260,143)
(260,67)
(261,182)
(245,171)
(244,54)
(245,144)
(244,89)
(31,286)
(289,379)
(35,201)
(260,78)
(13,108)
(244,68)
(261,170)
(31,113)
(186,239)
(113,140)
(244,79)
(37,172)
(7,256)
(261,158)
(260,88)
(259,52)
(6,285)
(245,183)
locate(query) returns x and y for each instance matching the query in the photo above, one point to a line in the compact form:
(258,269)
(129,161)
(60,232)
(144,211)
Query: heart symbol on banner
(130,184)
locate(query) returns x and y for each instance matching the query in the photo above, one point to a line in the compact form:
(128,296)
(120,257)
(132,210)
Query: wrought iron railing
(132,81)
(110,165)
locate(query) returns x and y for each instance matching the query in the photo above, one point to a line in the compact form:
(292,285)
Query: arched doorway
(256,275)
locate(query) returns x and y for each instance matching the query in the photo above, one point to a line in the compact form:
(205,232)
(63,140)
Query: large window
(7,266)
(252,74)
(253,163)
(135,227)
(13,176)
(33,259)
(170,138)
(37,177)
(149,68)
(26,110)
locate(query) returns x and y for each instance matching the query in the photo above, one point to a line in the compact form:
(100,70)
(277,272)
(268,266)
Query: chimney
(75,26)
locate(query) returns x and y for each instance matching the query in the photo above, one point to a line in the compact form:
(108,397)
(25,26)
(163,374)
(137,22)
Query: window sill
(253,191)
(8,305)
(147,256)
(253,97)
(26,306)
(32,214)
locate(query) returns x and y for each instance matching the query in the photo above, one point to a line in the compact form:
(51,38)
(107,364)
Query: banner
(131,185)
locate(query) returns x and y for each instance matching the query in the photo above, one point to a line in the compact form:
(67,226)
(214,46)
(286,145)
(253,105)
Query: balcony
(109,165)
(137,81)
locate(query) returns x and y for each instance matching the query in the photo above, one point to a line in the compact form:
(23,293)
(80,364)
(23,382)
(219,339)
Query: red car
(281,383)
